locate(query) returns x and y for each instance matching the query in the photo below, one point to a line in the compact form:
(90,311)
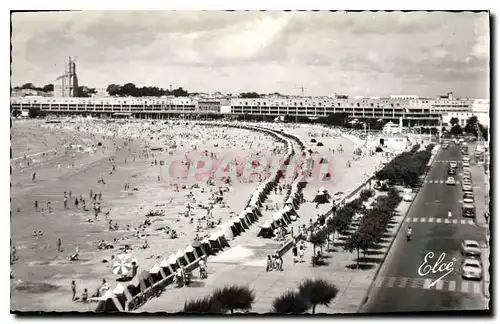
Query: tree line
(30,86)
(83,91)
(405,169)
(131,90)
(471,126)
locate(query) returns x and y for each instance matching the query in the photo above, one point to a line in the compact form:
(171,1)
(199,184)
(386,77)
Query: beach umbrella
(122,266)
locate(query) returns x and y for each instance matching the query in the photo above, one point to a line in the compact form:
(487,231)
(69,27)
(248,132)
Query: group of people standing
(274,262)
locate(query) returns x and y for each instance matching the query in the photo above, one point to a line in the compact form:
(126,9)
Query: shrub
(234,297)
(317,292)
(289,303)
(365,194)
(202,306)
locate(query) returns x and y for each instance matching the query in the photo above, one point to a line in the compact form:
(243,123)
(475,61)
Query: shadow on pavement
(354,266)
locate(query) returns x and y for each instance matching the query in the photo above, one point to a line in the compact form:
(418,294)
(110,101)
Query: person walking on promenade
(36,205)
(295,253)
(49,207)
(13,256)
(268,263)
(279,262)
(301,253)
(73,290)
(59,245)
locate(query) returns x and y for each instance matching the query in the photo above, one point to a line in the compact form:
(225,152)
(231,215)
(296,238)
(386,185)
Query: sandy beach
(42,274)
(137,173)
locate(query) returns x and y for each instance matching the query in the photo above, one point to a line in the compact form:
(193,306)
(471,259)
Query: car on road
(470,247)
(450,181)
(465,163)
(466,187)
(445,146)
(468,195)
(453,164)
(452,171)
(468,200)
(466,183)
(468,210)
(472,269)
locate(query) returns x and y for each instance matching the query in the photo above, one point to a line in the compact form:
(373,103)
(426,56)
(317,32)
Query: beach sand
(43,275)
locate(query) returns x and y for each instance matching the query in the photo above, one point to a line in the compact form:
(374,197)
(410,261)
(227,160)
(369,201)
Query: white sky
(365,53)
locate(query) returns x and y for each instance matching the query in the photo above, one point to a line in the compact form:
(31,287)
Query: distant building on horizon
(404,97)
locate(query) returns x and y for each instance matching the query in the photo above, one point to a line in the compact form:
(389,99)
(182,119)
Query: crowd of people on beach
(200,213)
(205,204)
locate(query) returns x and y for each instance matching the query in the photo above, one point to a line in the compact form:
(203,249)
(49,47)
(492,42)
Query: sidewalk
(479,186)
(245,263)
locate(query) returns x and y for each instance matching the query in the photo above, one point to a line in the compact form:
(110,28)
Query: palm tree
(234,297)
(289,303)
(317,292)
(202,306)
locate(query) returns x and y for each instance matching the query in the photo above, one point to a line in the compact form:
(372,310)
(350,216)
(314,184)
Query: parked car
(466,158)
(466,187)
(470,247)
(472,269)
(450,181)
(468,210)
(466,182)
(469,195)
(465,163)
(469,200)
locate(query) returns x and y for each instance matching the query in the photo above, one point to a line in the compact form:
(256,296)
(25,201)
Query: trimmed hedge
(407,167)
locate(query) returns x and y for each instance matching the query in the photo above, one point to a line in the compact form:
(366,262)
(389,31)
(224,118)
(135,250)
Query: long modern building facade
(413,110)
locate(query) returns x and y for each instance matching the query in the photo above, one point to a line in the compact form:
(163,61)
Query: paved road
(399,287)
